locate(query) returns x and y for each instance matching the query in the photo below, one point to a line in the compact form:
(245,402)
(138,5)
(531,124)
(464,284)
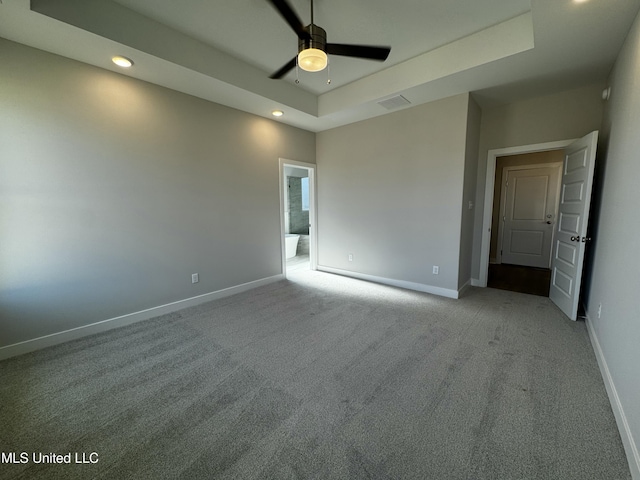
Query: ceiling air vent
(394,102)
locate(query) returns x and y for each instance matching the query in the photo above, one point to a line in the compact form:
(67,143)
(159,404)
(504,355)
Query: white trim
(485,245)
(418,287)
(313,210)
(475,282)
(630,447)
(111,323)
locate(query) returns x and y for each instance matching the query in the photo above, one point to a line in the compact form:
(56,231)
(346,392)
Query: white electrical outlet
(436,269)
(599,310)
(351,257)
(195,278)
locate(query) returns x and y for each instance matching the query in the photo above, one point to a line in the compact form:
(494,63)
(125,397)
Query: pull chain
(297,79)
(328,72)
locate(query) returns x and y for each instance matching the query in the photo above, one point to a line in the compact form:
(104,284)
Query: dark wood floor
(521,279)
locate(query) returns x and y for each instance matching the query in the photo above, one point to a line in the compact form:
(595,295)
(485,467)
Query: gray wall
(390,192)
(562,116)
(613,279)
(113,191)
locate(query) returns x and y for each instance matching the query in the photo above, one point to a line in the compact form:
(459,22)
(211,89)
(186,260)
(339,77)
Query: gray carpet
(321,377)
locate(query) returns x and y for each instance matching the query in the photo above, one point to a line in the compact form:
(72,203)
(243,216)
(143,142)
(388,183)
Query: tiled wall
(298,218)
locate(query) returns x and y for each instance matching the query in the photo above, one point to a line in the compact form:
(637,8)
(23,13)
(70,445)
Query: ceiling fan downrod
(317,36)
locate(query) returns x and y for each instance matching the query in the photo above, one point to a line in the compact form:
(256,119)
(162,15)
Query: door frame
(313,204)
(503,199)
(487,214)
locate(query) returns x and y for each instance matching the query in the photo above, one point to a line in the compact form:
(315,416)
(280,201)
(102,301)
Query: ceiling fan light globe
(312,60)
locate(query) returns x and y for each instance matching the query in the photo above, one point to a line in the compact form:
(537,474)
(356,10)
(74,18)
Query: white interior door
(571,229)
(531,198)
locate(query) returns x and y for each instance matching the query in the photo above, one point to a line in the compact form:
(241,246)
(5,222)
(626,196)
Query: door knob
(549,222)
(575,239)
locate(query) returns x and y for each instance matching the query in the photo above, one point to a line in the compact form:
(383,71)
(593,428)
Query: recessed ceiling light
(277,113)
(122,61)
(580,1)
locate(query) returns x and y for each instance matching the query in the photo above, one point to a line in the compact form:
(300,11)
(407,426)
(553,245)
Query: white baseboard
(419,287)
(104,325)
(630,447)
(475,282)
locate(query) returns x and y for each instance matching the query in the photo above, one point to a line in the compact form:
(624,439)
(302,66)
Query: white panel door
(571,229)
(529,215)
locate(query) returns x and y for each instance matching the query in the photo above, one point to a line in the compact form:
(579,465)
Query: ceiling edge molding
(494,43)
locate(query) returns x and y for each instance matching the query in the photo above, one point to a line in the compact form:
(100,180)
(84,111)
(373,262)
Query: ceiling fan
(313,47)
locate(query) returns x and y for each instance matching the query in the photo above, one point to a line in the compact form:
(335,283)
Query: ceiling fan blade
(361,51)
(291,18)
(285,69)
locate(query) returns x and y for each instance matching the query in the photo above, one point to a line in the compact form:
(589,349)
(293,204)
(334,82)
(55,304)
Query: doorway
(297,215)
(571,227)
(490,184)
(525,208)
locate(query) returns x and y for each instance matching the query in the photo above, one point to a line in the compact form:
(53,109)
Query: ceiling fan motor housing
(313,47)
(318,38)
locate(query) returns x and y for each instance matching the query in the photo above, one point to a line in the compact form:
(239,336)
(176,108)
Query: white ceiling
(359,22)
(224,51)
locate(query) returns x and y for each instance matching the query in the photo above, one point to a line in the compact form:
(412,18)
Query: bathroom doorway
(297,207)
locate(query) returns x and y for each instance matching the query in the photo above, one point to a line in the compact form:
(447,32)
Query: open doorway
(525,210)
(488,228)
(571,228)
(297,195)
